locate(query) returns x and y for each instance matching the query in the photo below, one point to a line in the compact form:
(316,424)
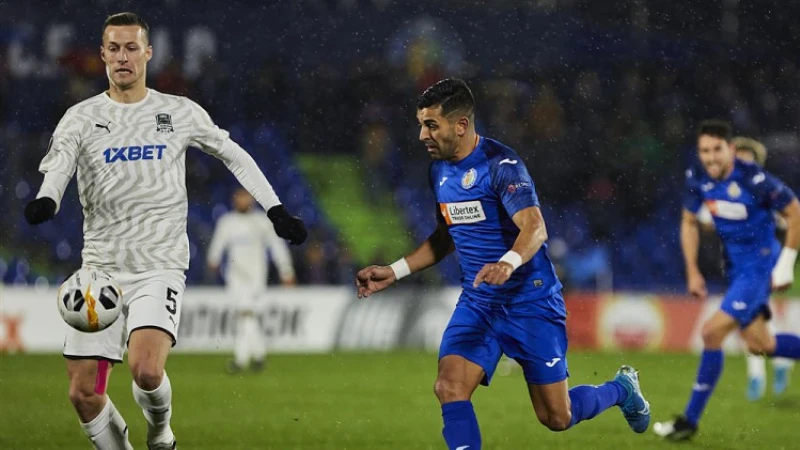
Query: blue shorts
(534,333)
(748,297)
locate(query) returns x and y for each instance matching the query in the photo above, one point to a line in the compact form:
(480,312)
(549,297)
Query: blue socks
(589,401)
(787,346)
(461,426)
(707,376)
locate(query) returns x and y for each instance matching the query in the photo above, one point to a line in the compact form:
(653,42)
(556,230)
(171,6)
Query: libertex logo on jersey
(134,153)
(727,210)
(462,212)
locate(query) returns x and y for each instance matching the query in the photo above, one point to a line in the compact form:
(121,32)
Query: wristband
(513,258)
(787,259)
(400,269)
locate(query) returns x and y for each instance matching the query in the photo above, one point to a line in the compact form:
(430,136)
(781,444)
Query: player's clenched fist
(287,226)
(372,279)
(495,273)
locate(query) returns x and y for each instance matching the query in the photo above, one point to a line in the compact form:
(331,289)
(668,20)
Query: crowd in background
(611,137)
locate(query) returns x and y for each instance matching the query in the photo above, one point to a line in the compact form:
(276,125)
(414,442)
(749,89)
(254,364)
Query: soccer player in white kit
(128,145)
(246,235)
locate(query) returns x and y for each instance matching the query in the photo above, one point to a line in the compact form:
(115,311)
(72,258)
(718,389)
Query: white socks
(249,343)
(157,408)
(258,349)
(108,431)
(774,325)
(756,366)
(241,348)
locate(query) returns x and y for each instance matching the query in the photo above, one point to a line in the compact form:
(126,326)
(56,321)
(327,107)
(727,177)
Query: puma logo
(508,161)
(441,182)
(106,126)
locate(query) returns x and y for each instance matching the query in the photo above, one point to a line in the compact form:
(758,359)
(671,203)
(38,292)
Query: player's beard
(718,169)
(445,148)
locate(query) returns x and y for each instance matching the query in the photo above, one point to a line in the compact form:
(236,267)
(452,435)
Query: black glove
(288,227)
(40,210)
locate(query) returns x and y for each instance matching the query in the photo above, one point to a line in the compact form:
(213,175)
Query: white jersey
(130,161)
(247,237)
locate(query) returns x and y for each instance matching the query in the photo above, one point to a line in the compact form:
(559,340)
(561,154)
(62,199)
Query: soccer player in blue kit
(511,302)
(741,197)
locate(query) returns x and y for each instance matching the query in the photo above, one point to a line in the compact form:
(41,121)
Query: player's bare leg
(552,404)
(457,380)
(148,349)
(559,408)
(100,420)
(759,339)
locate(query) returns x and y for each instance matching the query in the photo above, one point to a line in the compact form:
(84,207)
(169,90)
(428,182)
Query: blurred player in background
(741,197)
(751,150)
(246,235)
(511,303)
(128,145)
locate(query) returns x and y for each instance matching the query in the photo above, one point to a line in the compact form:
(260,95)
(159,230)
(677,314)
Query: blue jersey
(742,206)
(477,197)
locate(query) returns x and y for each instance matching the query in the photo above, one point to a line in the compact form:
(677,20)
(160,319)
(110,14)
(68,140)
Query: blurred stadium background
(600,98)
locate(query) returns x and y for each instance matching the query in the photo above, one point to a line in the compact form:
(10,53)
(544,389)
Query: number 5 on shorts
(173,308)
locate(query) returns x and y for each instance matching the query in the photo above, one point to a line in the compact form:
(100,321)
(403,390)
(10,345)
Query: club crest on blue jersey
(469,178)
(134,153)
(734,191)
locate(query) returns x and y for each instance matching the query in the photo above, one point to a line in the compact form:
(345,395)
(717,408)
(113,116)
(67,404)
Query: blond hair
(749,144)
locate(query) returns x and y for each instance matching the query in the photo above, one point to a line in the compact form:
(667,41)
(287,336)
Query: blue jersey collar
(473,157)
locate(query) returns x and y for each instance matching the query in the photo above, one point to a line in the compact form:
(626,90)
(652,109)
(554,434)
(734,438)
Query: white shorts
(151,299)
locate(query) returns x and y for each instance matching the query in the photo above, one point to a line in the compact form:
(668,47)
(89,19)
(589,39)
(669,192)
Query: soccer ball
(90,300)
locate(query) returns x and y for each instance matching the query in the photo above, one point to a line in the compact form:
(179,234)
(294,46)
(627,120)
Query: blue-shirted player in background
(741,197)
(751,150)
(511,302)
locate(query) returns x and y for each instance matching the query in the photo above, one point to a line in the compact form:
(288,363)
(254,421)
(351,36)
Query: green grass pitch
(383,401)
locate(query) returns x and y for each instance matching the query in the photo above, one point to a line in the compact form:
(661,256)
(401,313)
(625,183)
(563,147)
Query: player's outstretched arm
(532,234)
(372,279)
(58,166)
(46,204)
(40,210)
(690,244)
(783,272)
(216,142)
